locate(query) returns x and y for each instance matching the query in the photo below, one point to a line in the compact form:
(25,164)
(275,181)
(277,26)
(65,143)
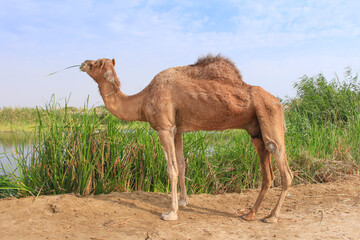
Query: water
(7,149)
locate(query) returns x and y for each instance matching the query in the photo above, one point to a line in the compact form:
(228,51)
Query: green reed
(323,138)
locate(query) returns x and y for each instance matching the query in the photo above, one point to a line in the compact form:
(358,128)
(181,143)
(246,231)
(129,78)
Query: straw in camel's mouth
(63,70)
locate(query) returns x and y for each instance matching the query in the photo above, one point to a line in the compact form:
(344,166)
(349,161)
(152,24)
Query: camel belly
(211,111)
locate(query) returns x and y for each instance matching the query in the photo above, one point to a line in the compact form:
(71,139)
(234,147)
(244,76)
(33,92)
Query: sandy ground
(316,211)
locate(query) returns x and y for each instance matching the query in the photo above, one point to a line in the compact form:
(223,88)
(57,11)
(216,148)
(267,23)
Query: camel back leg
(270,117)
(267,176)
(286,179)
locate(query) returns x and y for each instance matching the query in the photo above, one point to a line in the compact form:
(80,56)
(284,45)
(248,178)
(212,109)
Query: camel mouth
(83,67)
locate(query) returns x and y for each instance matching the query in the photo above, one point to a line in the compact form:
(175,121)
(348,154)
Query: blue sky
(273,43)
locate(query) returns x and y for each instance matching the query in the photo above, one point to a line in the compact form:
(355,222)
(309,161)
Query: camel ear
(113,61)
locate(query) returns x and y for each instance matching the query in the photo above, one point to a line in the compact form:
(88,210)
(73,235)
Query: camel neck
(124,107)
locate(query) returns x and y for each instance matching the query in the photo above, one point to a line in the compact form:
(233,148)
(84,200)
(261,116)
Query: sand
(313,211)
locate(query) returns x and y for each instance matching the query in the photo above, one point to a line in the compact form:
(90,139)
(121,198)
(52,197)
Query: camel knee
(275,147)
(270,146)
(173,173)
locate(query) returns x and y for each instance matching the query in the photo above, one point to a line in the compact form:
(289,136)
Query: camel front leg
(181,166)
(168,144)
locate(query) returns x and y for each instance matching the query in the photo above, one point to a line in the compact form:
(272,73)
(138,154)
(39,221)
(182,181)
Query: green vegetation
(323,138)
(17,119)
(90,151)
(20,120)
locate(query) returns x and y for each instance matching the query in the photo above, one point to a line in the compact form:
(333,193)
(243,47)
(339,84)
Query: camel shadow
(156,204)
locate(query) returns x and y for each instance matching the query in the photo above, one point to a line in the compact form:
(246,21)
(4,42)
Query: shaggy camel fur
(208,95)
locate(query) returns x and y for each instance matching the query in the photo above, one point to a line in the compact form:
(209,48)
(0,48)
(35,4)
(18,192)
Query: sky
(273,43)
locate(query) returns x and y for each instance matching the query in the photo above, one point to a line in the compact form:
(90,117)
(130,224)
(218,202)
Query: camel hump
(210,58)
(216,68)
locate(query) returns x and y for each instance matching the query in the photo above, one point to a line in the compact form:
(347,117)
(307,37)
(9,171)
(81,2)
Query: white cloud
(279,23)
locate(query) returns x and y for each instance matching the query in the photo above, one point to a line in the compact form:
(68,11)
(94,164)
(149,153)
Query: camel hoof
(170,216)
(183,202)
(270,219)
(248,217)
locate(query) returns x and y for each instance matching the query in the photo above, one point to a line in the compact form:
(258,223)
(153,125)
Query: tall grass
(321,101)
(89,152)
(323,120)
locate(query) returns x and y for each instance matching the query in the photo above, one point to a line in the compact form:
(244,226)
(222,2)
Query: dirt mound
(317,211)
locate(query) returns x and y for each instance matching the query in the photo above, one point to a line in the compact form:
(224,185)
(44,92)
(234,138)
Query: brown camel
(208,95)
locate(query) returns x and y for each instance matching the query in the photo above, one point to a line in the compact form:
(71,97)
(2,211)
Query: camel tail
(284,123)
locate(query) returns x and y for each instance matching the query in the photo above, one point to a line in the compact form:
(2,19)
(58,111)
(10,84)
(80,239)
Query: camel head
(100,70)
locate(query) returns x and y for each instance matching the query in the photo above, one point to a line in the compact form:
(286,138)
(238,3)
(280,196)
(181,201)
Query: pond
(8,143)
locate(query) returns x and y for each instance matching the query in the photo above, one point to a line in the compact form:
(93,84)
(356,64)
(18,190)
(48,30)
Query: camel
(207,95)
